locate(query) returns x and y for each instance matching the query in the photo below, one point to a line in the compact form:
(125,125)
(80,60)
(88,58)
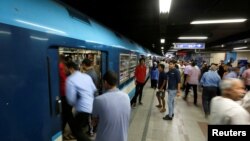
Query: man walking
(80,91)
(210,83)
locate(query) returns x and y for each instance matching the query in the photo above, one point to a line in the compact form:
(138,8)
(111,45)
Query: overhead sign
(189,45)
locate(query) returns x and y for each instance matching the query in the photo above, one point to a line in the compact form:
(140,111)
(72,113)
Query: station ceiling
(141,21)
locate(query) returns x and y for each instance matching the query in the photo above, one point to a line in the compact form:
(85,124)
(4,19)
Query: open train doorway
(96,61)
(97,58)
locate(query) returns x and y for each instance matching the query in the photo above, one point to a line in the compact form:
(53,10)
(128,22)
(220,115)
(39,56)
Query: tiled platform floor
(188,124)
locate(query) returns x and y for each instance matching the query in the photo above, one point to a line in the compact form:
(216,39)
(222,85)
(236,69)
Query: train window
(127,66)
(124,67)
(132,65)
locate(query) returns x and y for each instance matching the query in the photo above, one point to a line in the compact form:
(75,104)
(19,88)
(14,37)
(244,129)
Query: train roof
(55,18)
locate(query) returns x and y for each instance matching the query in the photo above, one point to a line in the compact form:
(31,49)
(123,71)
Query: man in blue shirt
(80,90)
(174,84)
(161,88)
(210,83)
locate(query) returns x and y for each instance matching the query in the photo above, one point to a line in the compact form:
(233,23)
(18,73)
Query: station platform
(146,123)
(188,124)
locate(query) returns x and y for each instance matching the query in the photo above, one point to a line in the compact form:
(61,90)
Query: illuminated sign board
(189,45)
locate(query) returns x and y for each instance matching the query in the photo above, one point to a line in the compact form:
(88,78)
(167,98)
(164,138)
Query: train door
(99,60)
(54,97)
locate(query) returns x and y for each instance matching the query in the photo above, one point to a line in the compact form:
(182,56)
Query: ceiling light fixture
(240,48)
(218,21)
(172,50)
(165,6)
(192,37)
(162,41)
(162,47)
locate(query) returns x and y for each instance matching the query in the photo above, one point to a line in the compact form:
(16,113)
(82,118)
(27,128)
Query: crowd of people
(224,88)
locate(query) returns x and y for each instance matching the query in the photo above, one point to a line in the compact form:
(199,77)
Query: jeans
(171,96)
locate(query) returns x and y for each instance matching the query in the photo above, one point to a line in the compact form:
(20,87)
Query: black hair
(162,66)
(172,61)
(72,65)
(61,57)
(193,64)
(110,77)
(68,58)
(142,59)
(176,66)
(87,62)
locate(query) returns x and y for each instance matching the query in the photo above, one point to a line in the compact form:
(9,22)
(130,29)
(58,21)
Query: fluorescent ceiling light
(240,48)
(165,6)
(192,37)
(172,50)
(162,41)
(218,21)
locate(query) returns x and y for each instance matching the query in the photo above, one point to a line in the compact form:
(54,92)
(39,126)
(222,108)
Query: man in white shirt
(225,109)
(111,111)
(80,90)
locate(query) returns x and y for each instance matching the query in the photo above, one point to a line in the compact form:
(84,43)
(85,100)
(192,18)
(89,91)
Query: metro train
(33,33)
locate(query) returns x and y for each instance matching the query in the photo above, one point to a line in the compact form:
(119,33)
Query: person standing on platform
(154,75)
(140,77)
(225,109)
(210,83)
(80,90)
(174,88)
(111,111)
(161,88)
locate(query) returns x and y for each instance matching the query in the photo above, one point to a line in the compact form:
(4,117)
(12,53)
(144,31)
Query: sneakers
(167,118)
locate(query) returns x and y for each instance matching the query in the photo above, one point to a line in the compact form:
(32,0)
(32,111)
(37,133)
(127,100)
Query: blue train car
(32,35)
